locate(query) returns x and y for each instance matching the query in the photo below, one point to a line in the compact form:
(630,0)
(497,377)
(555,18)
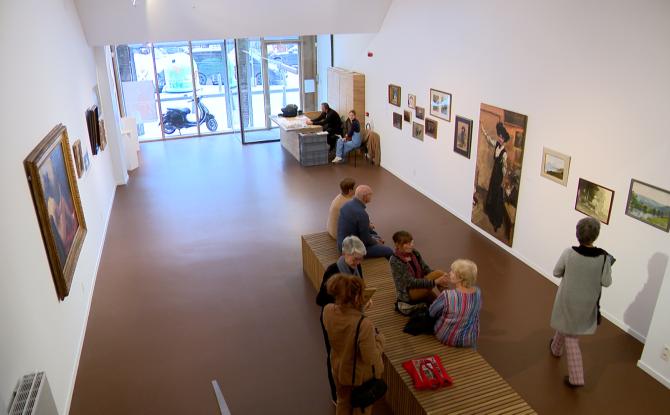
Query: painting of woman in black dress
(498,172)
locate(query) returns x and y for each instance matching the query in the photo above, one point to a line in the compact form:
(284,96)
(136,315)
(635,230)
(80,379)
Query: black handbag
(369,391)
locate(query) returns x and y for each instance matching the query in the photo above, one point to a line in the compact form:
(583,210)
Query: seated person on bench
(351,140)
(346,193)
(414,279)
(330,120)
(354,220)
(457,309)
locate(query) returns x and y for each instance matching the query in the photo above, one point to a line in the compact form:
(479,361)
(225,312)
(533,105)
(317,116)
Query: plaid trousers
(571,343)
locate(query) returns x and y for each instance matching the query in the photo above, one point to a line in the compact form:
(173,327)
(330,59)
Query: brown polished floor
(201,279)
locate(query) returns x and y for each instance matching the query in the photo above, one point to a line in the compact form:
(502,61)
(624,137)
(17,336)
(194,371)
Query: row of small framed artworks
(440,107)
(645,202)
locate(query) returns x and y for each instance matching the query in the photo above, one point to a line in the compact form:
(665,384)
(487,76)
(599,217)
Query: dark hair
(402,237)
(588,230)
(347,185)
(352,112)
(502,131)
(347,289)
(325,105)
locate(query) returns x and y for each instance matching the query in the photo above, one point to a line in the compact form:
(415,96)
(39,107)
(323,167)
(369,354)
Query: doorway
(196,88)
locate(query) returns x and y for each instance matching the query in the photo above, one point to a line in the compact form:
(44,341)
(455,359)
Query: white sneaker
(337,159)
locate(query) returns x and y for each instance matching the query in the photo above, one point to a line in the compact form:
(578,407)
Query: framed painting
(420,113)
(411,101)
(397,120)
(649,204)
(394,95)
(463,136)
(431,128)
(78,158)
(594,200)
(440,104)
(407,116)
(93,124)
(53,185)
(497,171)
(417,131)
(103,135)
(555,166)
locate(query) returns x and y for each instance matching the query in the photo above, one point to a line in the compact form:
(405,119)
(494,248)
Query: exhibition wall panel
(44,84)
(584,97)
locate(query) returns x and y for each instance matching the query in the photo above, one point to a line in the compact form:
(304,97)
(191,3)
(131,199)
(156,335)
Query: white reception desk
(289,128)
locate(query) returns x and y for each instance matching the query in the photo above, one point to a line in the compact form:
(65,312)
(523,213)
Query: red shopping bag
(427,372)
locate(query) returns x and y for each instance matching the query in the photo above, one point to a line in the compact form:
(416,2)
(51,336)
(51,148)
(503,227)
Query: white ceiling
(118,21)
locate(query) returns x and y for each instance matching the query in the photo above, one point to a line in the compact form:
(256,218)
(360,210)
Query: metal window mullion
(266,82)
(195,96)
(157,97)
(229,100)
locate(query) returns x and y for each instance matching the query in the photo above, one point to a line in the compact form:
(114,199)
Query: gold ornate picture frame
(53,185)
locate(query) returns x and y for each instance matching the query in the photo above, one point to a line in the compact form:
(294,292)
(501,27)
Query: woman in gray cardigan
(584,271)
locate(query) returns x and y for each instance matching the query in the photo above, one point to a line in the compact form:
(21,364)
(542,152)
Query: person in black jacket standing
(353,252)
(330,120)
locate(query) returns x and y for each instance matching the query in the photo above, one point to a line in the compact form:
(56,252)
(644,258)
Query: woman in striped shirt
(457,309)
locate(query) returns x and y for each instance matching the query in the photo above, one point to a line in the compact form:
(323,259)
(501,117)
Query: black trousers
(333,392)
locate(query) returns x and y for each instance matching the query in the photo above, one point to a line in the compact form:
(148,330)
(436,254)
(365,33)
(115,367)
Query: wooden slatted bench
(477,388)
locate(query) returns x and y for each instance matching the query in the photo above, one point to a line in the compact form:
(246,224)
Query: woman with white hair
(353,252)
(457,309)
(583,270)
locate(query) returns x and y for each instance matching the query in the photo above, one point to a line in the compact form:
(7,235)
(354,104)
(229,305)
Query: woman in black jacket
(353,252)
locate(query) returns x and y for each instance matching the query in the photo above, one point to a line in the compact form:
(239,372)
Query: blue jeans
(344,147)
(379,250)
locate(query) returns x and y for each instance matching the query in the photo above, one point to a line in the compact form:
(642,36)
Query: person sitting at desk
(351,141)
(354,220)
(330,120)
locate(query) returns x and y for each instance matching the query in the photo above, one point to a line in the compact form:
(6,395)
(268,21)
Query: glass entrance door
(284,89)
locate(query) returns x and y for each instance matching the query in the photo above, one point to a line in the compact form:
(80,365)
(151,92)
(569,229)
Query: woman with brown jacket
(341,320)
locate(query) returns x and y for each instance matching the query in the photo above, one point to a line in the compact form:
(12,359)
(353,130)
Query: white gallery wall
(592,77)
(48,77)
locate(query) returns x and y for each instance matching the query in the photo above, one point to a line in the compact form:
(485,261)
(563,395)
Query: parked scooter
(176,118)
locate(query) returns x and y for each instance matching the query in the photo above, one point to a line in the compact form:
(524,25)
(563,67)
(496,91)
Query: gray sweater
(582,276)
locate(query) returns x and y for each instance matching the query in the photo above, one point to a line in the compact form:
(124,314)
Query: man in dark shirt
(354,220)
(330,120)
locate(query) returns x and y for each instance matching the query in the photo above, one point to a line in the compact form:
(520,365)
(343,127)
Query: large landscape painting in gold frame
(53,185)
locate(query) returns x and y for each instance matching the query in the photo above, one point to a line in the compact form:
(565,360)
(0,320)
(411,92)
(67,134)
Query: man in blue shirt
(354,220)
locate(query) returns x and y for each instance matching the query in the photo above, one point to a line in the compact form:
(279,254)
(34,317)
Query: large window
(183,89)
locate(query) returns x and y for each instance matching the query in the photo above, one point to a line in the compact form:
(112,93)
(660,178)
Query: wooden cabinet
(346,91)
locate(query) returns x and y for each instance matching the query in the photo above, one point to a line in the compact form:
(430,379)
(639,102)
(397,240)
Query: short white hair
(351,245)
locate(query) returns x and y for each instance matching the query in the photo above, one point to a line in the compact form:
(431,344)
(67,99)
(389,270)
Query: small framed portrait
(463,136)
(420,113)
(53,185)
(431,128)
(649,204)
(594,200)
(397,120)
(394,95)
(411,101)
(555,166)
(407,116)
(417,131)
(440,104)
(78,158)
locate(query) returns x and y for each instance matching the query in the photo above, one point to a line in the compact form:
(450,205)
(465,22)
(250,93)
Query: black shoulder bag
(369,391)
